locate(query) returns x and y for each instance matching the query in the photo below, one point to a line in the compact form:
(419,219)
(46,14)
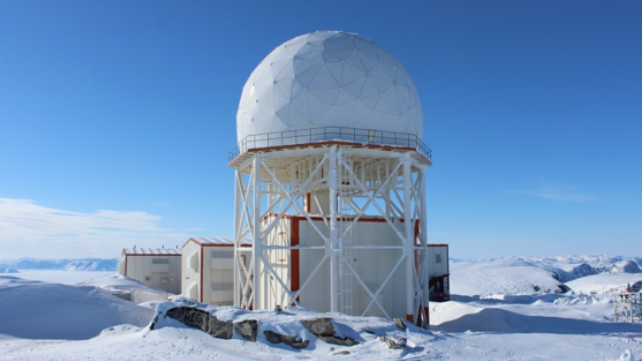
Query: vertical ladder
(345,241)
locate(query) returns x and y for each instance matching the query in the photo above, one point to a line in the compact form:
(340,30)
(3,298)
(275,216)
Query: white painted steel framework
(346,184)
(627,307)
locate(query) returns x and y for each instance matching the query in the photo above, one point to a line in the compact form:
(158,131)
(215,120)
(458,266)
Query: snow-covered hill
(603,283)
(41,310)
(75,264)
(513,275)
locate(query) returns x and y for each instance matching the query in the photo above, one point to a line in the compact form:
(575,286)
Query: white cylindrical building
(330,181)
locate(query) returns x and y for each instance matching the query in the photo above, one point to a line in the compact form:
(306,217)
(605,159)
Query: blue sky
(116,118)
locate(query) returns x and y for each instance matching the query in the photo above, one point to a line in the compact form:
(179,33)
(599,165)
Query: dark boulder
(292,341)
(340,341)
(324,329)
(219,329)
(319,326)
(247,329)
(192,317)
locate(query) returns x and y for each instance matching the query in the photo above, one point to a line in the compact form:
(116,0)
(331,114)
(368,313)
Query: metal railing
(325,134)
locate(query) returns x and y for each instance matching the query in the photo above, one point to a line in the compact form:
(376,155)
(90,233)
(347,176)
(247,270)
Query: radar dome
(329,79)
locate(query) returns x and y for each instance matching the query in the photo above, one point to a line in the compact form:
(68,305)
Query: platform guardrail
(326,134)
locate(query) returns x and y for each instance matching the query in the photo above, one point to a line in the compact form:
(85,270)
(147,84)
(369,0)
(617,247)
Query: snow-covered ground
(495,314)
(42,310)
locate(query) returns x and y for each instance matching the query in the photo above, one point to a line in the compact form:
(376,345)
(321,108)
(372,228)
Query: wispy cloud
(28,229)
(557,192)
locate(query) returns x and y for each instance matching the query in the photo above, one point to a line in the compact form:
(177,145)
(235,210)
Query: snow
(603,282)
(515,275)
(492,278)
(499,318)
(138,291)
(41,310)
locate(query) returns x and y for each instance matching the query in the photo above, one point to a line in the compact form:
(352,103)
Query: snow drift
(117,283)
(40,310)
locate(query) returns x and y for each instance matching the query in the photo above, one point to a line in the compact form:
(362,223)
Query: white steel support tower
(333,187)
(627,307)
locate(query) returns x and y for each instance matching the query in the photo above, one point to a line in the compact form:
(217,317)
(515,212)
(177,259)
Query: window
(438,258)
(222,254)
(160,261)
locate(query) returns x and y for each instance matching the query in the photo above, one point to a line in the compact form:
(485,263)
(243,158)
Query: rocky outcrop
(247,329)
(219,329)
(324,329)
(320,326)
(190,316)
(194,317)
(292,341)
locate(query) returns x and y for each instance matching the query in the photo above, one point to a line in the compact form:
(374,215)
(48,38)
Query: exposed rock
(292,341)
(219,329)
(272,337)
(562,289)
(394,343)
(340,341)
(629,266)
(192,317)
(399,323)
(247,329)
(320,326)
(324,329)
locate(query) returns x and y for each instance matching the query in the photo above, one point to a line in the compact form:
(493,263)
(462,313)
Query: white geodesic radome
(329,79)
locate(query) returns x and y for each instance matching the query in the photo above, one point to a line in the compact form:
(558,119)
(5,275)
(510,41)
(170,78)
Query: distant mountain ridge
(65,264)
